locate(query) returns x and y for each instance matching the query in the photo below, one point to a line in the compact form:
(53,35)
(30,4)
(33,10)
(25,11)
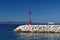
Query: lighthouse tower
(29,17)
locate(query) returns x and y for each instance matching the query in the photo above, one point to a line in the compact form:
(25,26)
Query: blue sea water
(6,33)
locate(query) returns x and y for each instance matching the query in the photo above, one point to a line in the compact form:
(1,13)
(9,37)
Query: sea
(6,33)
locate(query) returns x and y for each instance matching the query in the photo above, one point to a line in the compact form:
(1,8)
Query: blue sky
(42,10)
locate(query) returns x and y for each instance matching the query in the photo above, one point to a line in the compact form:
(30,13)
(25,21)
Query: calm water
(6,33)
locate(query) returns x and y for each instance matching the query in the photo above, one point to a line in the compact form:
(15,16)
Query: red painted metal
(29,21)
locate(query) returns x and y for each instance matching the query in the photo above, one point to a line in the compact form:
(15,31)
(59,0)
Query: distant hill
(12,22)
(26,23)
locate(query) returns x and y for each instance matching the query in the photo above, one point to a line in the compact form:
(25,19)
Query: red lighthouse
(29,19)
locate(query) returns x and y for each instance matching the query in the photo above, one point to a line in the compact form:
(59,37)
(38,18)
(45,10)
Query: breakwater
(38,28)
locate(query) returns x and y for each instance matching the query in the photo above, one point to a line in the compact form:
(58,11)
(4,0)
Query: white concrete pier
(38,28)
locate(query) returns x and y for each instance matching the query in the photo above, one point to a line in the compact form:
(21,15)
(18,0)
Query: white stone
(38,28)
